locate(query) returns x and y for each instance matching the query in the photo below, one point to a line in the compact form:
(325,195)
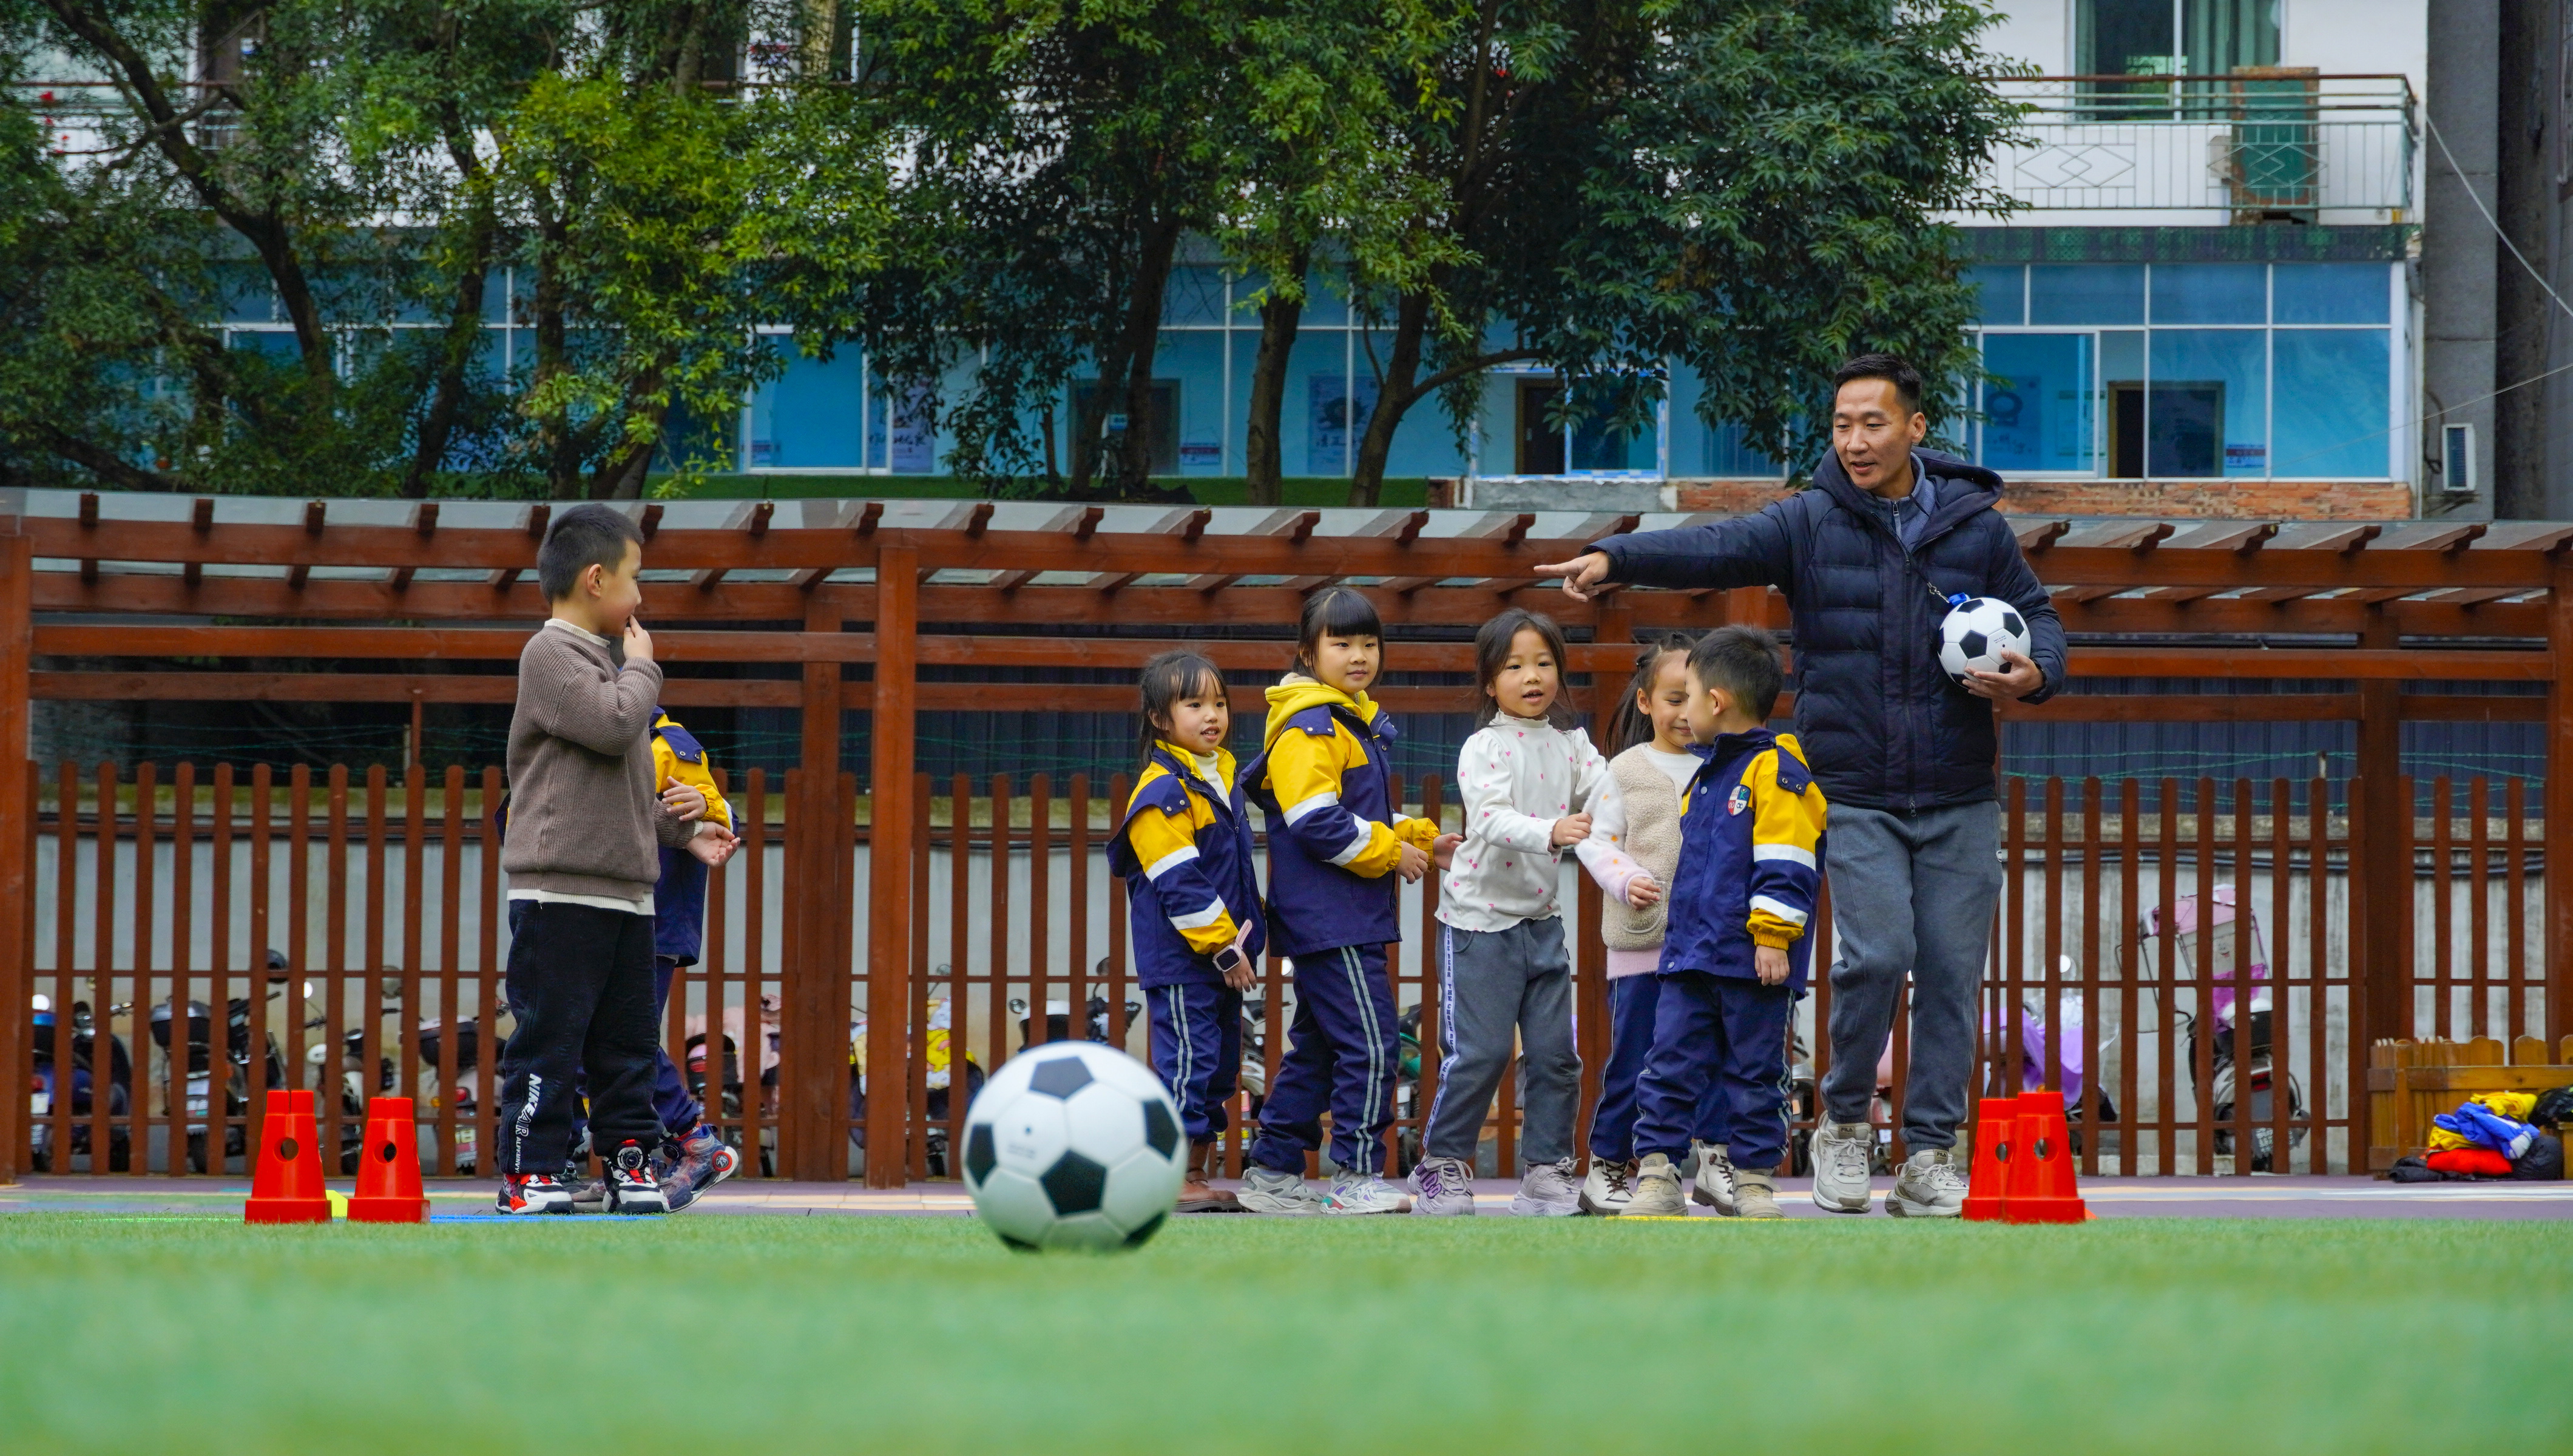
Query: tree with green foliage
(1742,186)
(1801,151)
(385,162)
(1058,153)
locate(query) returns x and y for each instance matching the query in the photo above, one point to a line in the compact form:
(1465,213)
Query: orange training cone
(286,1183)
(2041,1184)
(1996,1125)
(389,1188)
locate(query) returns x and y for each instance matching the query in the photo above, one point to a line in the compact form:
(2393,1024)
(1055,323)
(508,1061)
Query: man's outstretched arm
(1749,550)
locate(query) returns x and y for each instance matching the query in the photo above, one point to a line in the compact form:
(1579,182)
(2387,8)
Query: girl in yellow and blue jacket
(1337,845)
(1193,902)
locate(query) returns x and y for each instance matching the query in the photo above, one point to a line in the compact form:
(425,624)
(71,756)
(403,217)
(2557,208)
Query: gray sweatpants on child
(1492,983)
(1912,896)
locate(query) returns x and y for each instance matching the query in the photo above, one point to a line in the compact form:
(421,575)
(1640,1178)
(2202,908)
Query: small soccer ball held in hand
(1975,632)
(1074,1146)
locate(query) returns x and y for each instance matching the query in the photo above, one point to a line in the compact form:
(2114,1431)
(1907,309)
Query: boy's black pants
(580,989)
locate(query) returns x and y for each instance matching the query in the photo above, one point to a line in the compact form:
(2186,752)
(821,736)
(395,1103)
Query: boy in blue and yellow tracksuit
(1335,842)
(693,1157)
(1735,957)
(1184,849)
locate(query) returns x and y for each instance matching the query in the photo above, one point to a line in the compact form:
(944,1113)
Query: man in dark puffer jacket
(1905,754)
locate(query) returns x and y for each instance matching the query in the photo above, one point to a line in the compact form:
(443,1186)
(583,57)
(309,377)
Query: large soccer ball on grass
(1975,634)
(1074,1146)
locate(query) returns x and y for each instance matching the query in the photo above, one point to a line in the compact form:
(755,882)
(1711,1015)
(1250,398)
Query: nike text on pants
(1342,1053)
(1496,988)
(580,989)
(1912,894)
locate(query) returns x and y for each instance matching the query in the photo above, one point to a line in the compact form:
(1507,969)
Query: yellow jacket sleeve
(668,768)
(1305,772)
(1786,836)
(1166,845)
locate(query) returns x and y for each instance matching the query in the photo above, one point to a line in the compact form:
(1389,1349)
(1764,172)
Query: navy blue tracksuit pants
(1197,1050)
(1342,1053)
(1728,1031)
(1632,1000)
(679,1111)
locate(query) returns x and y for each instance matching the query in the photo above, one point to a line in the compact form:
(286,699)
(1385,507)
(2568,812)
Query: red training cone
(286,1183)
(2041,1184)
(1996,1125)
(389,1188)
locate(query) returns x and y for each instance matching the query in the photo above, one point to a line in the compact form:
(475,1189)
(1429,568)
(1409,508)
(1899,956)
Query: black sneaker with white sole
(534,1194)
(631,1185)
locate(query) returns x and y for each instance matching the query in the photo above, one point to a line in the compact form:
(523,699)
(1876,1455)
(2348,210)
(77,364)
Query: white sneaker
(1548,1191)
(1657,1190)
(1841,1153)
(1364,1194)
(1713,1186)
(1930,1186)
(1267,1190)
(1756,1196)
(1445,1186)
(1607,1187)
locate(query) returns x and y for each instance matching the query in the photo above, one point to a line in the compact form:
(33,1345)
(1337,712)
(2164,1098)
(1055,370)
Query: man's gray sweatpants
(1911,894)
(1491,984)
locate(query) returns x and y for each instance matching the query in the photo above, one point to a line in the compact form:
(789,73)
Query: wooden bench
(2410,1083)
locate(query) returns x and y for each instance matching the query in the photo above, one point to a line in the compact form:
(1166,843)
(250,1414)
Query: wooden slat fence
(162,890)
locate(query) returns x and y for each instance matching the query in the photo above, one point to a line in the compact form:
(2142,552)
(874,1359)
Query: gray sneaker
(1607,1187)
(1446,1188)
(1755,1196)
(1713,1186)
(1928,1188)
(1357,1192)
(1840,1152)
(1550,1190)
(1267,1190)
(1657,1190)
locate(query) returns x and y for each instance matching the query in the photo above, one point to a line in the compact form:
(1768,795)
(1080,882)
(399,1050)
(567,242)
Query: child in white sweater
(1527,780)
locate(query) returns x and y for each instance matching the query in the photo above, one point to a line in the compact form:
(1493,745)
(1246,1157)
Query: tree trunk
(620,476)
(1143,337)
(1261,441)
(463,320)
(558,442)
(1396,393)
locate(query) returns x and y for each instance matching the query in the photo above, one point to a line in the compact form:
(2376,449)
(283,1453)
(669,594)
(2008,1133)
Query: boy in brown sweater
(584,855)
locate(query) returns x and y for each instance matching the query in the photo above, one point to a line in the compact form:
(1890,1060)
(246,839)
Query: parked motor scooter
(2070,1055)
(2256,1083)
(938,1097)
(48,1080)
(468,1056)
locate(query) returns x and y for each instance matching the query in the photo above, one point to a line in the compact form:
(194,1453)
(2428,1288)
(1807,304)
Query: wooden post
(2383,1005)
(17,812)
(889,867)
(1616,624)
(2559,804)
(814,1098)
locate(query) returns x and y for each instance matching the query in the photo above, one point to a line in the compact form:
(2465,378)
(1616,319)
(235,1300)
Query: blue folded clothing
(2485,1128)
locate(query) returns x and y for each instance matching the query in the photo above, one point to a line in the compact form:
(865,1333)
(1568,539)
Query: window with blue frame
(2204,370)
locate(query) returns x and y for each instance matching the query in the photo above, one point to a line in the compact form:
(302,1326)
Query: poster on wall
(899,436)
(1331,422)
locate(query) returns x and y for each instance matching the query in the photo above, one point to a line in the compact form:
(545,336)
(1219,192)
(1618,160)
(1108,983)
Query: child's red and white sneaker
(534,1194)
(631,1187)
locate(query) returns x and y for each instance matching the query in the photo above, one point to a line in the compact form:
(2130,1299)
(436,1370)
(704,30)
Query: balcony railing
(2258,145)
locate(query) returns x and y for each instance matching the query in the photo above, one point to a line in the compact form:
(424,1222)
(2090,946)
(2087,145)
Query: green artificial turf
(888,1334)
